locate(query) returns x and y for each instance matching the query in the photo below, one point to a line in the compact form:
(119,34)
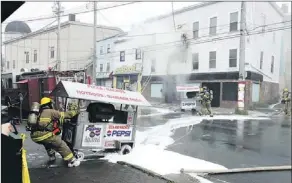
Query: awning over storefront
(22,81)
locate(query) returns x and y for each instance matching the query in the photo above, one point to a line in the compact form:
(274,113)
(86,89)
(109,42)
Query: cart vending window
(191,92)
(103,122)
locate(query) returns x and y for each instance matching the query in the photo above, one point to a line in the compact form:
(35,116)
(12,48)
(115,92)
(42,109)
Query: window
(272,64)
(107,67)
(212,59)
(274,37)
(7,66)
(52,52)
(233,58)
(26,57)
(230,91)
(108,48)
(13,64)
(196,30)
(153,65)
(263,23)
(138,54)
(101,50)
(122,56)
(261,60)
(101,67)
(195,59)
(233,22)
(35,56)
(213,26)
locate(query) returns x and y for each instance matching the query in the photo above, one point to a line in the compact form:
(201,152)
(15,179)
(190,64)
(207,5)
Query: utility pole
(241,83)
(58,12)
(94,43)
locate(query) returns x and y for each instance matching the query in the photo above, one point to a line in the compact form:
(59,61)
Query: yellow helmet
(45,101)
(285,89)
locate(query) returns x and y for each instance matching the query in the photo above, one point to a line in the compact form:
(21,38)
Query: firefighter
(286,100)
(47,129)
(206,98)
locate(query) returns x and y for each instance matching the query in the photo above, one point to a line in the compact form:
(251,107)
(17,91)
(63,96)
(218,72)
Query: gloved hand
(73,107)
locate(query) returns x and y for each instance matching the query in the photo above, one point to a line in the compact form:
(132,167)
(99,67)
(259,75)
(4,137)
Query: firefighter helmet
(285,89)
(45,101)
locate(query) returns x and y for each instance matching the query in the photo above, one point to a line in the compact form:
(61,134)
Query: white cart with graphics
(102,124)
(191,102)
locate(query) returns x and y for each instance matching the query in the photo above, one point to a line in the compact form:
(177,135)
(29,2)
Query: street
(230,143)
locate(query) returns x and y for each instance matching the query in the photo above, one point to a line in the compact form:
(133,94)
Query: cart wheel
(125,149)
(80,156)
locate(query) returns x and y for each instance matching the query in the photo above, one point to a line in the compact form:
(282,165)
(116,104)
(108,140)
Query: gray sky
(122,17)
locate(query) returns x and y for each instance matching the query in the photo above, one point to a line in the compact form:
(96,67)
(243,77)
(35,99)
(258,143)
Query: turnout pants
(55,143)
(287,108)
(206,108)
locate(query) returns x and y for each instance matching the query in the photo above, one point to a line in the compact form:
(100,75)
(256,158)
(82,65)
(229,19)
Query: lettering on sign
(119,132)
(126,69)
(189,103)
(91,136)
(95,94)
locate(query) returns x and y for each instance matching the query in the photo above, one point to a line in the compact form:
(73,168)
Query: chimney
(284,8)
(72,17)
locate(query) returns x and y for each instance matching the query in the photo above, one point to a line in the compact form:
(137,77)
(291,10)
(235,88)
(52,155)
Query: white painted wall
(161,42)
(76,48)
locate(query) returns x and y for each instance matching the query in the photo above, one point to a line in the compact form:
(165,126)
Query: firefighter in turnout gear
(286,100)
(206,97)
(47,129)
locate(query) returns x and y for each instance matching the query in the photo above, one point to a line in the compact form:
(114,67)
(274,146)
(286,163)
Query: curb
(144,170)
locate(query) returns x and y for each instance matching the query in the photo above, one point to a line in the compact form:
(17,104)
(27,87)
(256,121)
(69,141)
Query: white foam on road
(150,152)
(157,112)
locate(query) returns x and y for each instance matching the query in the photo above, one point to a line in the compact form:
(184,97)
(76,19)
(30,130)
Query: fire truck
(37,84)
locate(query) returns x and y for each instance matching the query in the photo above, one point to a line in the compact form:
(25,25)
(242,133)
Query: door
(255,92)
(156,90)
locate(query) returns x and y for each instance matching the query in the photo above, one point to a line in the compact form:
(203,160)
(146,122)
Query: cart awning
(22,82)
(98,93)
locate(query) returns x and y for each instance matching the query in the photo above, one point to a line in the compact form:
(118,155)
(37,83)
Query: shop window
(230,91)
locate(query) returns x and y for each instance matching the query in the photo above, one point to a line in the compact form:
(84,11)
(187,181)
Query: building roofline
(182,10)
(200,5)
(64,24)
(116,35)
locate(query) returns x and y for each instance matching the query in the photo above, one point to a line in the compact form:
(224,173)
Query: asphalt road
(232,144)
(240,144)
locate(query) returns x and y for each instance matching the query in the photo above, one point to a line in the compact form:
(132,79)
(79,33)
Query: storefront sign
(103,74)
(92,136)
(135,68)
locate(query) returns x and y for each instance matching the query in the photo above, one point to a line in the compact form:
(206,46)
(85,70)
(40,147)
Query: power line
(171,32)
(81,12)
(196,41)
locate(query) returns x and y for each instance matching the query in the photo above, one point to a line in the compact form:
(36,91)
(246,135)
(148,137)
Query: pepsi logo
(109,133)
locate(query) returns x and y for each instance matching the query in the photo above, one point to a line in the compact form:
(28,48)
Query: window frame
(232,23)
(213,28)
(195,61)
(138,54)
(26,57)
(261,59)
(153,65)
(108,50)
(196,31)
(52,52)
(272,64)
(211,60)
(100,67)
(108,67)
(35,56)
(232,59)
(122,57)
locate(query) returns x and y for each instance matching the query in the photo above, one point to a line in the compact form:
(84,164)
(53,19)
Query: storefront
(104,79)
(128,75)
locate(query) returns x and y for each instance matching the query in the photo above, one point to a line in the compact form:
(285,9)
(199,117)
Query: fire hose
(239,170)
(25,172)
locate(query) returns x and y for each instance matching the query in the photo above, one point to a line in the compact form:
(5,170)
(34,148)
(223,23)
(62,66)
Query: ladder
(146,82)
